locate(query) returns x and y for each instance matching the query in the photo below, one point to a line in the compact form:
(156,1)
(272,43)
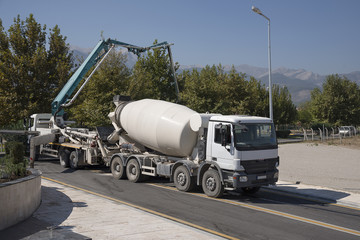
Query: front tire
(183,180)
(133,172)
(211,184)
(117,168)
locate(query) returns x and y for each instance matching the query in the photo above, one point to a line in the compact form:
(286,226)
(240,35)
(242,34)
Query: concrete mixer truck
(217,152)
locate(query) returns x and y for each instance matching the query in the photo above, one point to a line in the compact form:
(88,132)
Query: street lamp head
(256,10)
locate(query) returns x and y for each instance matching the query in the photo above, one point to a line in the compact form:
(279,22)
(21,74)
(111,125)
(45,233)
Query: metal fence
(324,133)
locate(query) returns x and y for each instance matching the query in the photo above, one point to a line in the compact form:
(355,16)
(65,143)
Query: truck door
(223,146)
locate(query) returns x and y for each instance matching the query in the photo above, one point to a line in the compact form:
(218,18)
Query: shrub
(16,151)
(14,164)
(282,133)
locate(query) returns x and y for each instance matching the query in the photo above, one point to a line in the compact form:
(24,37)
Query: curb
(318,194)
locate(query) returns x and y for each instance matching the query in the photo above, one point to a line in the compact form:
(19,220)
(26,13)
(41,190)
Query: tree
(338,103)
(284,110)
(30,74)
(256,101)
(304,117)
(203,91)
(96,99)
(152,77)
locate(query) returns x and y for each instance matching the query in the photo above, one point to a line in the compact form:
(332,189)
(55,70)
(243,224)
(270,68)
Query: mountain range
(300,82)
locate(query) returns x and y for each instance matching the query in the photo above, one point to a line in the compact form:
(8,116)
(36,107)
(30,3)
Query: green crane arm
(94,57)
(98,54)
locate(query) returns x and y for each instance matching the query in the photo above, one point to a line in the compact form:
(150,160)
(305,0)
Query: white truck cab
(245,148)
(40,122)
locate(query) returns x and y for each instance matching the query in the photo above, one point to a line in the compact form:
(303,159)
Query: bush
(316,125)
(13,165)
(282,133)
(16,151)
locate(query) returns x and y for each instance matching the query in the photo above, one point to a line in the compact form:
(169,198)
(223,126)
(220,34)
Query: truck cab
(245,149)
(40,122)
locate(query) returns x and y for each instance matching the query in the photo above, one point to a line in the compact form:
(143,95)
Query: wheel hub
(211,183)
(117,168)
(133,170)
(181,179)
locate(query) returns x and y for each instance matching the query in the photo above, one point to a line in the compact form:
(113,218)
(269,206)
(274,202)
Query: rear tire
(64,157)
(133,171)
(117,168)
(182,179)
(211,184)
(74,160)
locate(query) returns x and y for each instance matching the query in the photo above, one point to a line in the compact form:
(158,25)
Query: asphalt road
(265,215)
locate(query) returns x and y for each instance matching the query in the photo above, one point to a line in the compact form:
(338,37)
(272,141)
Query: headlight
(243,178)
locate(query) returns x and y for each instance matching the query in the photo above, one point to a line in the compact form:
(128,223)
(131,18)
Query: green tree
(256,101)
(96,99)
(284,110)
(338,103)
(30,74)
(152,77)
(304,117)
(213,90)
(203,91)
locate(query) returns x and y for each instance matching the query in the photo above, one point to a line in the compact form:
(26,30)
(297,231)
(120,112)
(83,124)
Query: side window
(217,134)
(226,129)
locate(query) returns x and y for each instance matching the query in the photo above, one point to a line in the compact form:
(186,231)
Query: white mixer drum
(163,126)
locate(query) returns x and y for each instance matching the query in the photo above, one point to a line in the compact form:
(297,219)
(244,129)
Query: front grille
(259,166)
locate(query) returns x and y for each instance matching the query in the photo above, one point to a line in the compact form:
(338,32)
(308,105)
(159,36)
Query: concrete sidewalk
(67,213)
(317,193)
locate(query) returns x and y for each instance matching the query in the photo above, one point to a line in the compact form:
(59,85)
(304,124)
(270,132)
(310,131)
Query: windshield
(252,136)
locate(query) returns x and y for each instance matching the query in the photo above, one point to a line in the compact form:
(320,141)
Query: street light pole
(256,10)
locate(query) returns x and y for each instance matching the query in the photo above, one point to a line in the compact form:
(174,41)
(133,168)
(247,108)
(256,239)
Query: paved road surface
(265,215)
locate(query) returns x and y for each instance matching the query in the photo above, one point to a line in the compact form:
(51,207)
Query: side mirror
(225,135)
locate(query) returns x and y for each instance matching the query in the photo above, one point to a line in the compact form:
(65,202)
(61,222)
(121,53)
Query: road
(265,215)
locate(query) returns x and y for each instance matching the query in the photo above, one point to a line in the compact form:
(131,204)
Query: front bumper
(239,180)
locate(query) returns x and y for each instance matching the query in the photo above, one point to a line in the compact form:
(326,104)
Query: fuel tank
(166,127)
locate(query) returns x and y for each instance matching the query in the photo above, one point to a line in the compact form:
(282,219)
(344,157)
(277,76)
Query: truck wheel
(64,157)
(133,172)
(250,189)
(183,180)
(211,184)
(117,168)
(74,160)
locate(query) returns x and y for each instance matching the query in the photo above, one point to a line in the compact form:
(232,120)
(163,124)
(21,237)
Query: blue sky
(322,36)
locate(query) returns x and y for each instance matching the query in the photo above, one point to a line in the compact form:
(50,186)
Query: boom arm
(93,59)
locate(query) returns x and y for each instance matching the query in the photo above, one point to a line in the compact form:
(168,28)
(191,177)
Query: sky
(322,36)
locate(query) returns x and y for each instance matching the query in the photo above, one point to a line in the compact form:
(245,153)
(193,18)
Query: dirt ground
(327,164)
(353,142)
